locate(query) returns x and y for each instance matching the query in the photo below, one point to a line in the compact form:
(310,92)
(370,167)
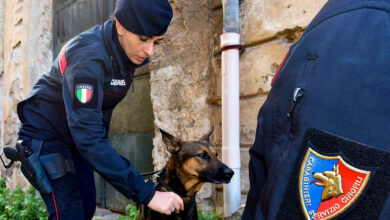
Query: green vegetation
(208,216)
(131,213)
(20,205)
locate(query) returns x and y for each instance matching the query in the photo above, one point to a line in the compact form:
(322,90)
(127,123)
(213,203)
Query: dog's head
(197,159)
(331,181)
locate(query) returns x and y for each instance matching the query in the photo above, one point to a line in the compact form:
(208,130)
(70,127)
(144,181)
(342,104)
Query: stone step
(105,214)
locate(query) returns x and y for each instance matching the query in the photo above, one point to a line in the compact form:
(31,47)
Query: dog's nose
(228,173)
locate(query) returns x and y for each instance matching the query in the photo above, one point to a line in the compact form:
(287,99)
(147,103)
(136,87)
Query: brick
(249,109)
(263,19)
(258,65)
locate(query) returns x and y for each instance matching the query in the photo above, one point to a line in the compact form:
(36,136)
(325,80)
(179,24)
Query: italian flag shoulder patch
(84,92)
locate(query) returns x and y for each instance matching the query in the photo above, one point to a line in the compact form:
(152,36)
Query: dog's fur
(192,163)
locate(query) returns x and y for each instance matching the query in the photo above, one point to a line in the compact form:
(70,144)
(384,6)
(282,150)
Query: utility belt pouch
(31,166)
(56,166)
(38,169)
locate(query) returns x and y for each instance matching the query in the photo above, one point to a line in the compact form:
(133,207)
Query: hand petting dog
(166,202)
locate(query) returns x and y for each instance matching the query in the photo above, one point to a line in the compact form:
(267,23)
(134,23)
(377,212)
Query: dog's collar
(161,185)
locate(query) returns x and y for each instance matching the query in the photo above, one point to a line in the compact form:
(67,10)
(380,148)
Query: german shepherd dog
(192,164)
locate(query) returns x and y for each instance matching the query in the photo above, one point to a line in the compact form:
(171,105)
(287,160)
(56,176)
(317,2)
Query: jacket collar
(114,53)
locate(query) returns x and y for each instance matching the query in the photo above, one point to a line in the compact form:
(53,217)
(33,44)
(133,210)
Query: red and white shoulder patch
(62,60)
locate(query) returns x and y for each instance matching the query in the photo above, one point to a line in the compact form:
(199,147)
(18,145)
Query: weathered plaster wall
(27,55)
(2,17)
(40,46)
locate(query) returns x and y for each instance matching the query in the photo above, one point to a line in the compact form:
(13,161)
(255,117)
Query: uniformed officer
(322,146)
(66,116)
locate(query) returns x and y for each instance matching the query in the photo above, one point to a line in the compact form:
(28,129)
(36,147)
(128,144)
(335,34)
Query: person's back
(327,103)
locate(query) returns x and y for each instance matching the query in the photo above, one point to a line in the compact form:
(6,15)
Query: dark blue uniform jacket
(341,64)
(75,101)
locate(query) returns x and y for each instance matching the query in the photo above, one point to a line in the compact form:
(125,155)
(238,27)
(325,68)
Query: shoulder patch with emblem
(328,185)
(85,92)
(335,178)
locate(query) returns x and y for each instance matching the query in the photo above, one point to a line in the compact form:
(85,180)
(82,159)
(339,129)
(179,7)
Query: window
(72,17)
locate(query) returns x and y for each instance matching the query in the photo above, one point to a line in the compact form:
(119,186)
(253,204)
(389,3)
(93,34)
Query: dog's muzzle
(228,173)
(224,174)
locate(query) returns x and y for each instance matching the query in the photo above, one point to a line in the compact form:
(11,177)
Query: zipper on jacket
(298,94)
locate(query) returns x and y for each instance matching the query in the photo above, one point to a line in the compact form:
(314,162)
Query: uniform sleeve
(83,98)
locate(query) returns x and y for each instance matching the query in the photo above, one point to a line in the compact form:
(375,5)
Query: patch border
(346,207)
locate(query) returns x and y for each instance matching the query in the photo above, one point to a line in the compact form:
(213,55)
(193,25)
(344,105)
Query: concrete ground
(105,214)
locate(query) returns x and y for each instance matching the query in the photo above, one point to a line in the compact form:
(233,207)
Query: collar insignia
(118,82)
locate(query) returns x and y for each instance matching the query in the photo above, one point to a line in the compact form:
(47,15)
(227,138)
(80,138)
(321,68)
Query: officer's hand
(166,203)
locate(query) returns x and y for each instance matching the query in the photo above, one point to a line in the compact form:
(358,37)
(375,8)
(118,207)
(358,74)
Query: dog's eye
(204,156)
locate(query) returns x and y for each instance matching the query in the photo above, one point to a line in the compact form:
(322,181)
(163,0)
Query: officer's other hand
(166,203)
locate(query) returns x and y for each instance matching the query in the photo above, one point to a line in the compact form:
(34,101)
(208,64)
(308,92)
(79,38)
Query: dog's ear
(172,143)
(206,137)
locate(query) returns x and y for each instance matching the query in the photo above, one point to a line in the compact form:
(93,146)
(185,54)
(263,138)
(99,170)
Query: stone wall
(186,72)
(27,55)
(180,76)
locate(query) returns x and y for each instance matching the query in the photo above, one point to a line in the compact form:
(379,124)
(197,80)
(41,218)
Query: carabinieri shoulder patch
(328,185)
(333,177)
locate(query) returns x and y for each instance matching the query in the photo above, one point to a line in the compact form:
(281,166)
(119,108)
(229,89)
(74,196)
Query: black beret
(144,17)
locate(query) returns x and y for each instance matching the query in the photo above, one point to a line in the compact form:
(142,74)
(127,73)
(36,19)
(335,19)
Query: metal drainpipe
(230,44)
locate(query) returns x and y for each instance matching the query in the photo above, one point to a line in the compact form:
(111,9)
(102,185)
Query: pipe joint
(230,38)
